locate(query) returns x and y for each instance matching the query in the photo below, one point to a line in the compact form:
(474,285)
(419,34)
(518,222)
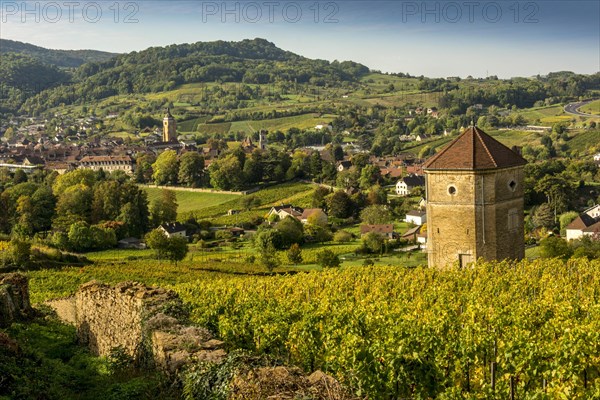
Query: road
(573,108)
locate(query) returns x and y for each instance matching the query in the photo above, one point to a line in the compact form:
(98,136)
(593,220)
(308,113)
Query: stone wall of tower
(451,222)
(169,130)
(483,218)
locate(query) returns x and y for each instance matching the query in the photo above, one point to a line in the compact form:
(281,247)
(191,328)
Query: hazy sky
(432,38)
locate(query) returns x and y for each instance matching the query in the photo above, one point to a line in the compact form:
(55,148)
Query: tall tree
(227,173)
(191,169)
(164,208)
(166,168)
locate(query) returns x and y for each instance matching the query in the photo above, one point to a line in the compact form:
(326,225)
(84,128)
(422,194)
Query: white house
(172,229)
(344,165)
(320,127)
(597,158)
(299,213)
(587,223)
(405,185)
(416,217)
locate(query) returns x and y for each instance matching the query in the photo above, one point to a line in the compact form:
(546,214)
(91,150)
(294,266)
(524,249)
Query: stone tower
(169,128)
(474,201)
(262,140)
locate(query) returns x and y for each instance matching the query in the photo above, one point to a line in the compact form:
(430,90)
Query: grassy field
(591,108)
(515,138)
(287,193)
(585,142)
(193,201)
(304,121)
(547,115)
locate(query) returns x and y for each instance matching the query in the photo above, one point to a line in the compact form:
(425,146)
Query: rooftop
(474,150)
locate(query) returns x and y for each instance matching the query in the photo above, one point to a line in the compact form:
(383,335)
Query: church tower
(474,201)
(262,140)
(169,128)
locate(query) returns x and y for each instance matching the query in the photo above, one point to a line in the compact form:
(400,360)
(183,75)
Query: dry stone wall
(139,320)
(14,298)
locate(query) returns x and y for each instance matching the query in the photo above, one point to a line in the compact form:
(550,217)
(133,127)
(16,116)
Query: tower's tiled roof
(473,150)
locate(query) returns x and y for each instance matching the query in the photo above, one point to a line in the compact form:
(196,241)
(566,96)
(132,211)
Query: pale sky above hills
(432,38)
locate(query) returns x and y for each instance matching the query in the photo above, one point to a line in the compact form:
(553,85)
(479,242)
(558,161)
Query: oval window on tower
(512,185)
(451,190)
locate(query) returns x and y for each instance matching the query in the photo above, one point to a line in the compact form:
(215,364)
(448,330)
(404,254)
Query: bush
(328,259)
(17,253)
(553,246)
(342,237)
(373,243)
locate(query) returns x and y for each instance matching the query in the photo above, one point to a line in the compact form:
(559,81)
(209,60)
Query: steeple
(169,127)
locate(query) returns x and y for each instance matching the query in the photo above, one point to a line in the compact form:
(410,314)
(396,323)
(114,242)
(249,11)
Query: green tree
(266,243)
(227,173)
(164,208)
(74,204)
(143,168)
(557,190)
(191,169)
(328,259)
(553,246)
(291,231)
(339,205)
(19,252)
(294,254)
(172,248)
(157,240)
(166,168)
(106,203)
(376,214)
(85,177)
(377,195)
(544,216)
(369,176)
(80,237)
(318,197)
(177,249)
(342,237)
(373,242)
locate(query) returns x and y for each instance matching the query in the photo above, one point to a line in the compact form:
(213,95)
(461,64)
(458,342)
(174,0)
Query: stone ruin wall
(110,317)
(130,316)
(14,298)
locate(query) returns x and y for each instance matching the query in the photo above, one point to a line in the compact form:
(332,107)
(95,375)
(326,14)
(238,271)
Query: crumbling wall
(135,318)
(14,298)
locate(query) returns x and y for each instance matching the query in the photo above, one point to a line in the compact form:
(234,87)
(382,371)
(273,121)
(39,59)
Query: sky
(430,38)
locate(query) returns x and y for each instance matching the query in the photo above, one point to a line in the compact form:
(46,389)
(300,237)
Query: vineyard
(394,332)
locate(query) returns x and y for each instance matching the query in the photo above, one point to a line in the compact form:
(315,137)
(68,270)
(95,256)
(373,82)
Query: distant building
(131,243)
(416,217)
(597,158)
(108,163)
(384,230)
(169,128)
(344,166)
(405,185)
(173,229)
(301,214)
(586,224)
(262,139)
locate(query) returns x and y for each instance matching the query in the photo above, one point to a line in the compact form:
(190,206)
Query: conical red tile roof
(474,150)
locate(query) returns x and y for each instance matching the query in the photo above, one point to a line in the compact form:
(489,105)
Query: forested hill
(59,58)
(159,69)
